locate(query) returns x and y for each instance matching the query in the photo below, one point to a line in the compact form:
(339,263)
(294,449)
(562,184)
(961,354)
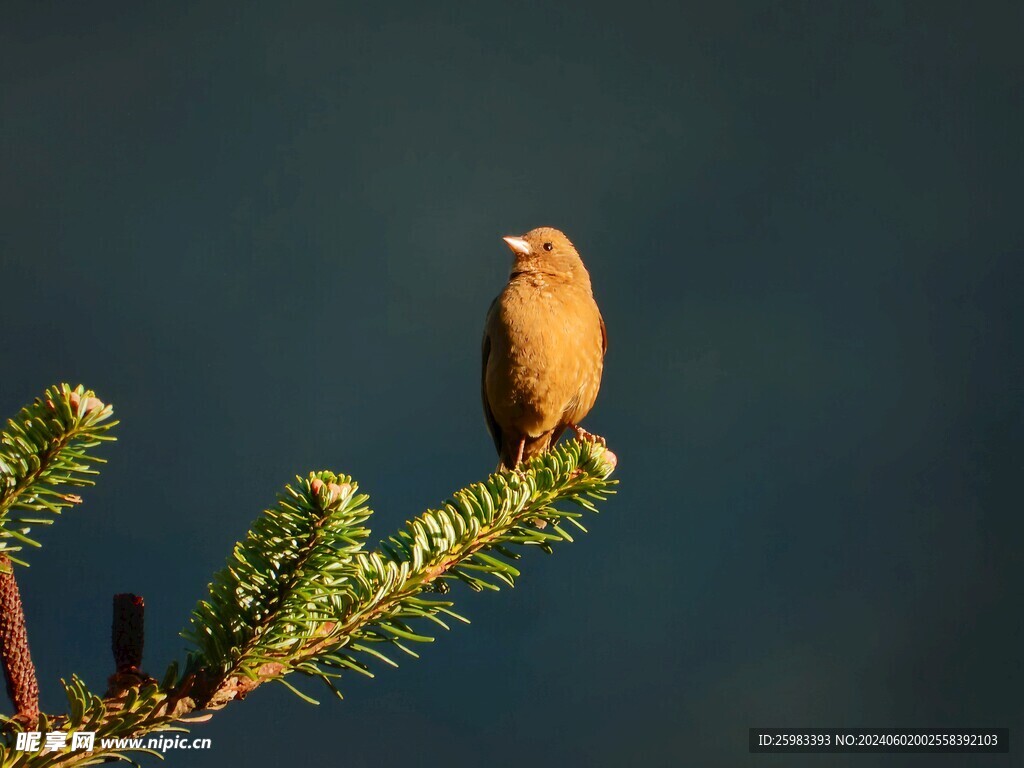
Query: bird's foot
(519,470)
(590,437)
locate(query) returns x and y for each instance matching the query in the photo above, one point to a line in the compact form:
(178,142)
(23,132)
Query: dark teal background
(268,233)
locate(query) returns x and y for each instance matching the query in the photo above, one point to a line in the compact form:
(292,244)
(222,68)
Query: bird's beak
(519,246)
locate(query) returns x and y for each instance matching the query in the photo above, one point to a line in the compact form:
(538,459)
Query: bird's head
(546,251)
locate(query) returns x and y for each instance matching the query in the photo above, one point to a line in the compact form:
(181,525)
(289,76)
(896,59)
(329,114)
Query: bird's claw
(590,437)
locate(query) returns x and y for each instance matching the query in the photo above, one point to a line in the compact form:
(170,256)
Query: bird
(543,348)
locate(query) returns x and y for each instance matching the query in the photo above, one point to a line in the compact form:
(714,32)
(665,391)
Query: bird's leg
(519,453)
(515,467)
(518,469)
(582,434)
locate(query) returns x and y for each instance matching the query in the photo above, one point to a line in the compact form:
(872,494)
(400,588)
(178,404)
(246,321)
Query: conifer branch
(44,452)
(300,595)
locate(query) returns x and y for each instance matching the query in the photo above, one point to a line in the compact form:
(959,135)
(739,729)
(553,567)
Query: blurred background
(269,234)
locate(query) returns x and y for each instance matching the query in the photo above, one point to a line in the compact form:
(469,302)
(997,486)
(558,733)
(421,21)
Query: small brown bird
(543,349)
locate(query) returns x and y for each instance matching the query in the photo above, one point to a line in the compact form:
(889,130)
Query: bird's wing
(492,423)
(604,336)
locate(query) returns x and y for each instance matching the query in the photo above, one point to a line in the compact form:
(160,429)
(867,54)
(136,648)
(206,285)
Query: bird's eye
(548,246)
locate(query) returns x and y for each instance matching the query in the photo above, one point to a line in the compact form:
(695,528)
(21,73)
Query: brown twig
(19,672)
(127,637)
(127,632)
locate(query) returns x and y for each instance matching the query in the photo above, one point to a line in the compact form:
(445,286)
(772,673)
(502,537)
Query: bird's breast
(546,356)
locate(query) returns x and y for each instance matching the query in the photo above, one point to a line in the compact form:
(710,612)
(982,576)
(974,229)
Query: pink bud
(339,491)
(611,459)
